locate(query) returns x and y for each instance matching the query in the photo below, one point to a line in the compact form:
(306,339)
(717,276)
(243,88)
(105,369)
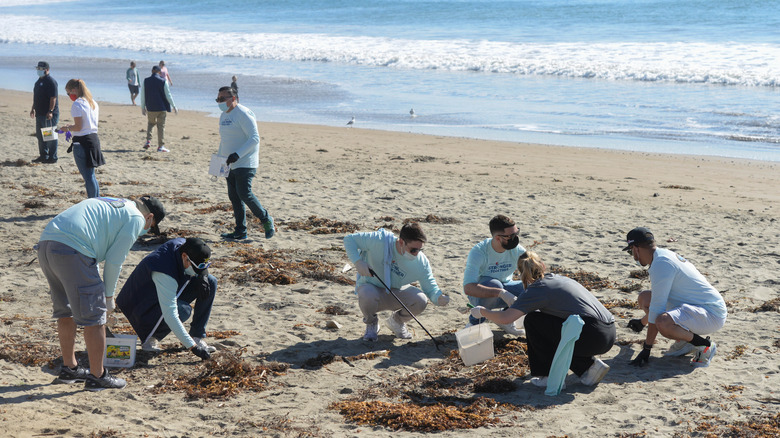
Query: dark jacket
(154,94)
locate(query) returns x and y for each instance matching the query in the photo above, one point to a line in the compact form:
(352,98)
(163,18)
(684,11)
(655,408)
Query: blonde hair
(81,90)
(531,267)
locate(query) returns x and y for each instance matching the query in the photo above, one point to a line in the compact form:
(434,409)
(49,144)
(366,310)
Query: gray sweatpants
(372,300)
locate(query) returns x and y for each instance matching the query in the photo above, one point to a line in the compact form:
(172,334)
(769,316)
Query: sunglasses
(223,99)
(201,266)
(414,251)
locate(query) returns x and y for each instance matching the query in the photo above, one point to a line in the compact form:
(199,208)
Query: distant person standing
(240,143)
(164,73)
(86,145)
(133,81)
(234,84)
(156,102)
(46,111)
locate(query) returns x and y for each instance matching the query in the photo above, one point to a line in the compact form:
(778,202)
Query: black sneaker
(233,236)
(68,375)
(106,381)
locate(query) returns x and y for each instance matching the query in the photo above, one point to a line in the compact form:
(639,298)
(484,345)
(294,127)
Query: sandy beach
(573,206)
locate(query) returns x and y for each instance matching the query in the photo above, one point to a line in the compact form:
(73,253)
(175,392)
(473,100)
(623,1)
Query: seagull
(351,122)
(411,113)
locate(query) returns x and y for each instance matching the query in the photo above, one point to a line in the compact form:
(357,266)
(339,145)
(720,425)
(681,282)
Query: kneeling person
(156,297)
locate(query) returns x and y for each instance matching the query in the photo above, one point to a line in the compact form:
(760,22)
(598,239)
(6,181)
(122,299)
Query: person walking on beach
(70,249)
(547,302)
(156,102)
(86,144)
(239,141)
(133,81)
(46,112)
(164,73)
(680,305)
(234,84)
(399,261)
(157,297)
(487,280)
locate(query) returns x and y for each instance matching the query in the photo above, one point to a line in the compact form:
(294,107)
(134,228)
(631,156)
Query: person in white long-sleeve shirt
(681,305)
(399,261)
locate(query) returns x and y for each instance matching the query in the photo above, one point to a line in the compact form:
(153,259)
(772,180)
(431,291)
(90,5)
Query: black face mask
(511,243)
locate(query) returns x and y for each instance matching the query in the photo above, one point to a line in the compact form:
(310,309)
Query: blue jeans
(88,173)
(239,185)
(513,287)
(47,150)
(201,313)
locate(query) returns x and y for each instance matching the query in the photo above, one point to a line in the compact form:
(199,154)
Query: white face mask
(41,73)
(409,256)
(191,272)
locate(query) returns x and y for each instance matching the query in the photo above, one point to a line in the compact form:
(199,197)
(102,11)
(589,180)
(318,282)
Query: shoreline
(573,206)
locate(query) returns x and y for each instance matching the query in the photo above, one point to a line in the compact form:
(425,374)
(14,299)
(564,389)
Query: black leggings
(543,332)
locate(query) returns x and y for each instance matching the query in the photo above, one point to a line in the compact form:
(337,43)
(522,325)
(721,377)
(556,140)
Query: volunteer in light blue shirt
(487,280)
(399,261)
(70,248)
(681,305)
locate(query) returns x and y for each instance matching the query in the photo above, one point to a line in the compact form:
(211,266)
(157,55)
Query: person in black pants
(548,300)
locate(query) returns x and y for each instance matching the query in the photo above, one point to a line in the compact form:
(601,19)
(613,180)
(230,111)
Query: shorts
(75,285)
(696,319)
(133,88)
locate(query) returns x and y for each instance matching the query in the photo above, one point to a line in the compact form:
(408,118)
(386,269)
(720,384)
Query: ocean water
(696,77)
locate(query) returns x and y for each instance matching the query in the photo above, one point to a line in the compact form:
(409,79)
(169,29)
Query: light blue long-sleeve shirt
(238,134)
(167,287)
(100,228)
(484,261)
(371,248)
(675,281)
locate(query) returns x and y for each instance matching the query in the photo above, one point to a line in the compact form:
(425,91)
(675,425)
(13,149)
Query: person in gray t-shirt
(548,300)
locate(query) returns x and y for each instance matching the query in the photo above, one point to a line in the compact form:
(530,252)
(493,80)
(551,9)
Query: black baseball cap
(638,236)
(43,65)
(198,252)
(156,208)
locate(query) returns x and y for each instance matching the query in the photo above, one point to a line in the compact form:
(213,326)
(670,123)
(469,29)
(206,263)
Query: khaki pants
(156,118)
(372,299)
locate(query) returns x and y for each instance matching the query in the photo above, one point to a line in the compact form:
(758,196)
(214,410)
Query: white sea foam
(707,63)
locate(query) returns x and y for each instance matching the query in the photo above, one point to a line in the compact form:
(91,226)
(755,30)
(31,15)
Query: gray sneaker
(106,381)
(68,375)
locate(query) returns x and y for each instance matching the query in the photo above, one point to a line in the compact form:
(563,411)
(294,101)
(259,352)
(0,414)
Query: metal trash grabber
(435,342)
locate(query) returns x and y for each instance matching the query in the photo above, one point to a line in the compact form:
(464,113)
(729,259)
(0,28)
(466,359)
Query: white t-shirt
(89,116)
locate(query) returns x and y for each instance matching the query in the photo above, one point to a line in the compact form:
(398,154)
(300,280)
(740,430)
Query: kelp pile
(768,306)
(18,349)
(274,267)
(317,225)
(433,219)
(590,280)
(223,376)
(756,427)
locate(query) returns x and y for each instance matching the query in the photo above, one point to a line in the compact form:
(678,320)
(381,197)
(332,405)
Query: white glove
(363,268)
(176,110)
(110,304)
(476,312)
(508,298)
(443,300)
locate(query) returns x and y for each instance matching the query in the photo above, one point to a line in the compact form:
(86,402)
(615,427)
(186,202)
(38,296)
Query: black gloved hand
(232,158)
(642,358)
(636,325)
(202,285)
(200,352)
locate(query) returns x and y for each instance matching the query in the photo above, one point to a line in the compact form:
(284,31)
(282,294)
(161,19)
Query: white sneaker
(512,329)
(162,149)
(595,373)
(704,355)
(202,344)
(152,345)
(372,332)
(542,382)
(680,348)
(399,328)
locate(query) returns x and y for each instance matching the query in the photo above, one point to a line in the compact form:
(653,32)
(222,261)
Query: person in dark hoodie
(157,297)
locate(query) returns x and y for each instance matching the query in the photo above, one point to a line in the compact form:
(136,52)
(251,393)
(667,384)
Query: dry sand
(572,205)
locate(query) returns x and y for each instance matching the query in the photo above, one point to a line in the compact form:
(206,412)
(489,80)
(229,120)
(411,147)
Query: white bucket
(475,344)
(120,351)
(49,133)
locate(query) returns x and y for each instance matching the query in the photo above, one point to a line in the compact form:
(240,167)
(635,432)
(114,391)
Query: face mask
(511,243)
(144,231)
(638,263)
(191,272)
(223,106)
(41,73)
(73,97)
(409,256)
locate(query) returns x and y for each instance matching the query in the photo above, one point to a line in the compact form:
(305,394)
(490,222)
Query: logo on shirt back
(114,202)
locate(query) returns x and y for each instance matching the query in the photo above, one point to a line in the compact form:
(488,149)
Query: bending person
(399,261)
(156,297)
(549,299)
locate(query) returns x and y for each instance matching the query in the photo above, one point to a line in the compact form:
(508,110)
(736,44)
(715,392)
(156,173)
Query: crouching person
(157,296)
